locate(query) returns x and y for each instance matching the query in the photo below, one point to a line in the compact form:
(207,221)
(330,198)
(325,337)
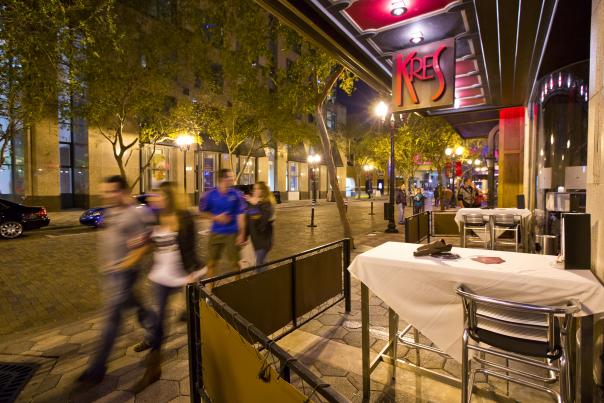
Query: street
(50,278)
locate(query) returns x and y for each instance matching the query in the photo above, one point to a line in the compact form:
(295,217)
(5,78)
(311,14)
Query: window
(330,120)
(292,176)
(73,158)
(162,9)
(159,169)
(248,168)
(209,171)
(217,77)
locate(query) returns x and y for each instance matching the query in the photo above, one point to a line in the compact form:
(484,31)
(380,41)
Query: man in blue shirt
(225,206)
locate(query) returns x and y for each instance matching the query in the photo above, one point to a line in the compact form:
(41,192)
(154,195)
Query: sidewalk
(61,353)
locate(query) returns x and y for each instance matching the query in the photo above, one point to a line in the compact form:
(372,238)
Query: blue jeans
(119,294)
(161,294)
(261,256)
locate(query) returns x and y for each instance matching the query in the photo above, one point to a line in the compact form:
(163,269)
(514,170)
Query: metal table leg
(392,337)
(365,340)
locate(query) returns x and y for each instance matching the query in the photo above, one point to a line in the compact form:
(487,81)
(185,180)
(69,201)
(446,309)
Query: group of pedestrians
(131,232)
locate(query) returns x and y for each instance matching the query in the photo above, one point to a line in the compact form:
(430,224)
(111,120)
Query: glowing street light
(448,151)
(381,110)
(185,141)
(368,167)
(313,159)
(477,162)
(459,150)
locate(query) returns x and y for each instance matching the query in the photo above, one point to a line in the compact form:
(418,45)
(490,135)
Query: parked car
(93,217)
(16,218)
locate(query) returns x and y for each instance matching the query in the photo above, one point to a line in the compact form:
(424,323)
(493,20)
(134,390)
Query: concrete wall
(42,186)
(595,144)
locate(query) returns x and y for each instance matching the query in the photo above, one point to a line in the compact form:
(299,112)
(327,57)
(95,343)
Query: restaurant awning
(499,44)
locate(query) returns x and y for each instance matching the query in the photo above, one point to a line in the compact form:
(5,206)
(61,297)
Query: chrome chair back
(476,223)
(503,223)
(529,334)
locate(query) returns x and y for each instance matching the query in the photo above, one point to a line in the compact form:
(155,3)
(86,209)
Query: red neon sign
(418,67)
(423,77)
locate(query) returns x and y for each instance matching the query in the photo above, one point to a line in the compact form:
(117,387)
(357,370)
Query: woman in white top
(175,263)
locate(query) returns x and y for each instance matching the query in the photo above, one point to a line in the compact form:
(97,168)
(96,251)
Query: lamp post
(313,160)
(184,143)
(368,168)
(381,110)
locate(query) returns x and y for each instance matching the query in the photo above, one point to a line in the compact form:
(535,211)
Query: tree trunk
(331,166)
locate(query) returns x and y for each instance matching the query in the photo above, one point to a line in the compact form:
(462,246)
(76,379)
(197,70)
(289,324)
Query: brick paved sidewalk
(63,352)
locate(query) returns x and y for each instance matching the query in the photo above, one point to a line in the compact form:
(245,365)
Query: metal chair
(476,223)
(533,335)
(503,223)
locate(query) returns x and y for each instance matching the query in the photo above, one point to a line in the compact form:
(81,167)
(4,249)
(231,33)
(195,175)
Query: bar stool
(476,223)
(503,223)
(533,335)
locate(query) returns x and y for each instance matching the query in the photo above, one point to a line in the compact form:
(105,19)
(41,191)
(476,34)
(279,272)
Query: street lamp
(184,142)
(381,111)
(459,151)
(448,151)
(313,160)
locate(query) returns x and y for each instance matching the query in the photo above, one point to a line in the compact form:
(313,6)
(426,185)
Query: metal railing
(234,294)
(418,227)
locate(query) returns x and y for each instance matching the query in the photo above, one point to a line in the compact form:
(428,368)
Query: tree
(305,85)
(240,106)
(29,58)
(122,74)
(433,135)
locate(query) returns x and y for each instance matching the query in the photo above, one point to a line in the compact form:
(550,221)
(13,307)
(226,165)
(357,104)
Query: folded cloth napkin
(433,247)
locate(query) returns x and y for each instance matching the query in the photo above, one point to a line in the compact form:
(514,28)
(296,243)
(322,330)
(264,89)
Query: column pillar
(511,155)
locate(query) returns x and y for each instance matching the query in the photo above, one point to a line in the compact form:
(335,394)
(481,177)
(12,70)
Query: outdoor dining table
(422,292)
(524,214)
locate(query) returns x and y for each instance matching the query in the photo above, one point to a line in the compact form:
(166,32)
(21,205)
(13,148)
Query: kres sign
(423,77)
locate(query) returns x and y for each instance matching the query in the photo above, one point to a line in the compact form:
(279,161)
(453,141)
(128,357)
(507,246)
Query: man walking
(123,243)
(225,206)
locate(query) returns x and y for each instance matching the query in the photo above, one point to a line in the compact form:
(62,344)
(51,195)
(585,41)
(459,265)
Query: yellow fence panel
(231,366)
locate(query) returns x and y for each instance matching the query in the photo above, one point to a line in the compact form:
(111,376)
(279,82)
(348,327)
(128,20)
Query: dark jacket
(187,242)
(260,225)
(401,197)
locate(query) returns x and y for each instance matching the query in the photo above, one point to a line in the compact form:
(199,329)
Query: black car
(16,218)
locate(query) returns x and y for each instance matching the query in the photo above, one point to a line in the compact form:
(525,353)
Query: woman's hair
(173,203)
(265,193)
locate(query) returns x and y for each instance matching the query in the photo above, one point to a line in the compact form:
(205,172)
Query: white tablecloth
(422,290)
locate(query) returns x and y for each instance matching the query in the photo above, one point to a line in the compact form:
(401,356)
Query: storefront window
(209,171)
(292,176)
(159,170)
(248,168)
(12,171)
(559,125)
